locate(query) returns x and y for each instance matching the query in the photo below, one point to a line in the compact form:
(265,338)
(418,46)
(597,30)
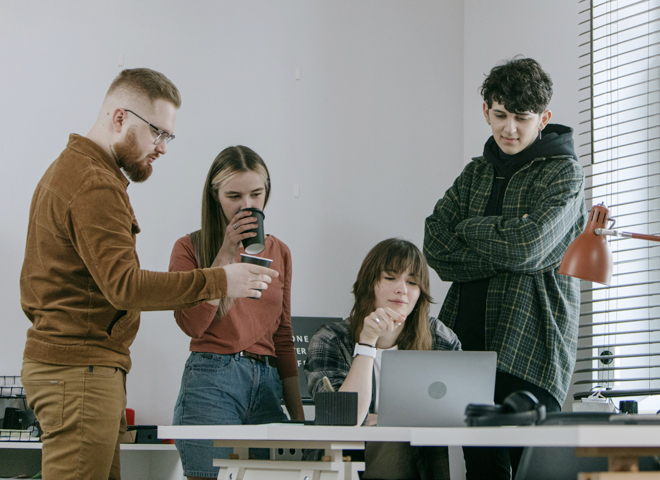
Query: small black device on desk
(145,433)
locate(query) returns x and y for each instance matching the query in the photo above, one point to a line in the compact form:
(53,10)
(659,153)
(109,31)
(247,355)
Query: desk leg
(334,465)
(283,469)
(232,473)
(332,455)
(343,468)
(241,453)
(310,475)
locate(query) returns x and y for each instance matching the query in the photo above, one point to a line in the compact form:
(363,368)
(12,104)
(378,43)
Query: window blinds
(618,142)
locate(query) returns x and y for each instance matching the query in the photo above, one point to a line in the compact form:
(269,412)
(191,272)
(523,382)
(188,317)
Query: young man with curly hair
(499,234)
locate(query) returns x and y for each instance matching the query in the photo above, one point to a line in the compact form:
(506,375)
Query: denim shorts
(223,390)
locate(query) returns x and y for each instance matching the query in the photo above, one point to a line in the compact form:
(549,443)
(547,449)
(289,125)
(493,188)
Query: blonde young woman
(242,360)
(391,311)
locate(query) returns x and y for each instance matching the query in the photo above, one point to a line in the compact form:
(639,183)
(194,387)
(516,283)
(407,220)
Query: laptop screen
(432,388)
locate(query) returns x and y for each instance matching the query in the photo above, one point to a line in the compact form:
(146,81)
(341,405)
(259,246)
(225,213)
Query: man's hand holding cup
(247,280)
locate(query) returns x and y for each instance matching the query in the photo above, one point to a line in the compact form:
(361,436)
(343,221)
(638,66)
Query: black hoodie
(554,140)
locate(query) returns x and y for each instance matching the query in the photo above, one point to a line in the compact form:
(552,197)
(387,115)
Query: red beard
(128,157)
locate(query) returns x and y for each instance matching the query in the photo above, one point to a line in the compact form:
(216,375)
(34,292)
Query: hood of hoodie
(555,140)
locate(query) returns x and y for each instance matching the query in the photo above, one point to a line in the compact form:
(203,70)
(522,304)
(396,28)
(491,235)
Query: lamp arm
(616,233)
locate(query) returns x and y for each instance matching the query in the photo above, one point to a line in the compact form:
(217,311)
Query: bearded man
(81,284)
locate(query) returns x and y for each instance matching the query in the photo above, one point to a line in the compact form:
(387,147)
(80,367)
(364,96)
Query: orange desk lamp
(589,256)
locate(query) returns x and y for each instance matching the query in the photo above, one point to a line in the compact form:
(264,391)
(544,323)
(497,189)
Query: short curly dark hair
(520,85)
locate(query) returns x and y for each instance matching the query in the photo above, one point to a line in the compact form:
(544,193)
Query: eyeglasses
(162,135)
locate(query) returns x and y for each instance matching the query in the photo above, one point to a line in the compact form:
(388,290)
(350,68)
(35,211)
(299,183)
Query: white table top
(286,431)
(549,436)
(542,436)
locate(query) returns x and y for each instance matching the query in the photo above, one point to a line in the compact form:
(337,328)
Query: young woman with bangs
(391,311)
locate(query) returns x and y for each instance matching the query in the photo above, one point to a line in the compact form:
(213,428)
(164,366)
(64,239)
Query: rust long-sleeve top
(259,326)
(81,283)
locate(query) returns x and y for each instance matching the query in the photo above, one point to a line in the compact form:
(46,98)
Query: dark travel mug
(264,262)
(628,406)
(254,245)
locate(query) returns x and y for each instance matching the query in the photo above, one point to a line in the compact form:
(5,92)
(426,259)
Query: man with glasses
(81,284)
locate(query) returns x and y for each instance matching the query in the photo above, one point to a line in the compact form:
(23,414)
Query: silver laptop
(432,388)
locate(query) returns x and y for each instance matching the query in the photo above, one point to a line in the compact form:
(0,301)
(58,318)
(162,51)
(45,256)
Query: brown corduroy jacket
(81,283)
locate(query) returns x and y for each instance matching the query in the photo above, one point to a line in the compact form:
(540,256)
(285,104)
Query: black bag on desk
(336,408)
(145,433)
(519,408)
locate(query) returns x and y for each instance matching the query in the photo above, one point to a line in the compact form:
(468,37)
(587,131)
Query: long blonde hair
(208,240)
(394,256)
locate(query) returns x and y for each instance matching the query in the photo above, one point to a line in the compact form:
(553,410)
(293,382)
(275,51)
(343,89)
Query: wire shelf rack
(31,435)
(12,396)
(11,387)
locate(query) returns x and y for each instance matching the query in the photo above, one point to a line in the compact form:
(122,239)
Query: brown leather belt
(267,359)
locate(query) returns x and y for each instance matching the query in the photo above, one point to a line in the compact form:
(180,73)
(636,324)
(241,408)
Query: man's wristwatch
(364,349)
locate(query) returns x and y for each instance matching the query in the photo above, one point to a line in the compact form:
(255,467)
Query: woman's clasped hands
(379,323)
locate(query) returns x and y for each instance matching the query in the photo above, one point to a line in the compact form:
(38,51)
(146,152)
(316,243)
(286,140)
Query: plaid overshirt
(330,353)
(532,312)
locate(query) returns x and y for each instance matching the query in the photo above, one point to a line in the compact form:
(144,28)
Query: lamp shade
(589,256)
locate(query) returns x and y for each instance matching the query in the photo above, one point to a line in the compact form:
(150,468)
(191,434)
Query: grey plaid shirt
(330,353)
(532,312)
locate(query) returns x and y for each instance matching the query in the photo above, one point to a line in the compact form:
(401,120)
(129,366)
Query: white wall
(498,30)
(373,133)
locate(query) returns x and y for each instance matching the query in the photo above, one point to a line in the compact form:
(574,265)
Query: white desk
(618,442)
(541,436)
(331,439)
